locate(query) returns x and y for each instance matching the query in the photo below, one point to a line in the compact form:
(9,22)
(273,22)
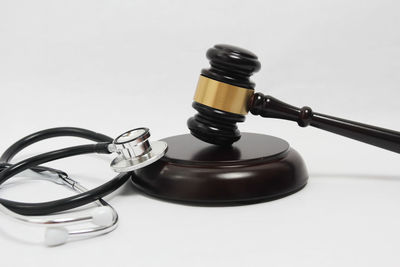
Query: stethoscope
(134,151)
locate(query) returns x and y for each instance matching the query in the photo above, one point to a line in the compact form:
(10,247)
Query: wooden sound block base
(256,168)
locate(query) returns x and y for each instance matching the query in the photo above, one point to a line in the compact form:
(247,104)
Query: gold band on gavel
(223,96)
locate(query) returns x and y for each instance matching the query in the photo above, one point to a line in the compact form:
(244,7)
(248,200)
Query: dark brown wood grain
(256,168)
(270,107)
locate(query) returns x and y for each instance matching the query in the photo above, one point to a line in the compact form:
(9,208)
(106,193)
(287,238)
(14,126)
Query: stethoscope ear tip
(55,236)
(103,216)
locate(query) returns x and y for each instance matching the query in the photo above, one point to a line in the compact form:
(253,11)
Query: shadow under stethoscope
(128,189)
(6,235)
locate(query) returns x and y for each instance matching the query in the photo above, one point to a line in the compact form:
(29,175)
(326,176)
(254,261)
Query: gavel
(225,94)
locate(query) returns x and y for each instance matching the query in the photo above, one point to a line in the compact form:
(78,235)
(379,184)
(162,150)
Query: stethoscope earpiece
(57,231)
(102,216)
(135,151)
(55,236)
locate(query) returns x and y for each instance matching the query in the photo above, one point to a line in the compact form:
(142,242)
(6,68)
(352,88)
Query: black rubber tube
(50,133)
(45,208)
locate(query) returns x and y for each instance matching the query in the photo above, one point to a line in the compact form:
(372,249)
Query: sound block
(256,168)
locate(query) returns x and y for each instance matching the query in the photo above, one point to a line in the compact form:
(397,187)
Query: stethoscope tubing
(50,156)
(51,133)
(44,208)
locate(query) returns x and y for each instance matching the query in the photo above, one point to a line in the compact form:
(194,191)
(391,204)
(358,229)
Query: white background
(114,65)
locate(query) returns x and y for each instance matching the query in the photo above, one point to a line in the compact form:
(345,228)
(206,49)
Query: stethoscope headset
(133,150)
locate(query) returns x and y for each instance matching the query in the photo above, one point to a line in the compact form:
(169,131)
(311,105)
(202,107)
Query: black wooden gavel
(225,94)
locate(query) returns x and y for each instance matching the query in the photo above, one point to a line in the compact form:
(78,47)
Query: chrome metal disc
(123,164)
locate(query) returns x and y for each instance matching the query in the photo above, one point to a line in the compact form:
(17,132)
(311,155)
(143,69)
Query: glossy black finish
(256,168)
(214,126)
(270,107)
(232,65)
(235,65)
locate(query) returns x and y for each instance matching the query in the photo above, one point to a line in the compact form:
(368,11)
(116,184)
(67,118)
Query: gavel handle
(270,107)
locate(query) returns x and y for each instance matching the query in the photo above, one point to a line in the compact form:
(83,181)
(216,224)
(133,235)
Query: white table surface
(114,65)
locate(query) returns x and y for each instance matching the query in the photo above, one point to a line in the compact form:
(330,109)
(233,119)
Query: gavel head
(223,95)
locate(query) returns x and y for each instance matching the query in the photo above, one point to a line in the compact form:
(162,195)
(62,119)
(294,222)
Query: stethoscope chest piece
(135,151)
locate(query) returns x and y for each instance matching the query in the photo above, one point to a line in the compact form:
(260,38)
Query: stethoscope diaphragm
(135,151)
